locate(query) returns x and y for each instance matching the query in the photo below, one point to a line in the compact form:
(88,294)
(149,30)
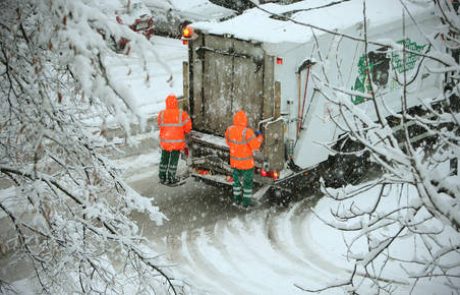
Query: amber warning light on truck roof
(187,34)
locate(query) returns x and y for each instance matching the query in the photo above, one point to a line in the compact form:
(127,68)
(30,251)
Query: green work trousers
(242,186)
(168,165)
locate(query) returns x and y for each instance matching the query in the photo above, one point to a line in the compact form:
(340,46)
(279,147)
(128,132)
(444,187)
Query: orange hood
(240,119)
(171,102)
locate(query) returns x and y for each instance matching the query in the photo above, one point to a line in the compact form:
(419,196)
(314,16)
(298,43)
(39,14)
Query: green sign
(411,57)
(362,81)
(379,67)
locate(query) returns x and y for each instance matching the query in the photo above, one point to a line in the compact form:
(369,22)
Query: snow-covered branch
(70,214)
(412,146)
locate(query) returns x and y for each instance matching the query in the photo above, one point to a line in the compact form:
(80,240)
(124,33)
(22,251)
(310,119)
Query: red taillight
(273,173)
(202,172)
(279,60)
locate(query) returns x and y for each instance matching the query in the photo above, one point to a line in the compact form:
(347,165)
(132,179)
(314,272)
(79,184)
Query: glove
(258,132)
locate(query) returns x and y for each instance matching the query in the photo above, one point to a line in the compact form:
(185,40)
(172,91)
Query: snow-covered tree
(64,201)
(416,149)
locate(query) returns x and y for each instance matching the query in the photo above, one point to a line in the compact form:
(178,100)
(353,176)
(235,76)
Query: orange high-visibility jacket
(174,124)
(242,142)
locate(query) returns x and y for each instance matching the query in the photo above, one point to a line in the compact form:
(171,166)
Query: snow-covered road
(217,248)
(265,251)
(221,249)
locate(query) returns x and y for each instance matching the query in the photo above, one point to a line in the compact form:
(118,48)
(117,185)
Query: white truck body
(280,71)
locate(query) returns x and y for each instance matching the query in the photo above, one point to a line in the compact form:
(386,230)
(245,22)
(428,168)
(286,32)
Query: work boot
(163,180)
(173,180)
(247,202)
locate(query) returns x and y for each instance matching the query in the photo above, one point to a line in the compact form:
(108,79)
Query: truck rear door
(227,75)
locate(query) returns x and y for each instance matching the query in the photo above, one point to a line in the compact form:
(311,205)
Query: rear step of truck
(223,181)
(209,163)
(217,179)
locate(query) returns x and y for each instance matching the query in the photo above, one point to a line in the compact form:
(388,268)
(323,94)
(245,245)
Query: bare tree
(416,145)
(67,206)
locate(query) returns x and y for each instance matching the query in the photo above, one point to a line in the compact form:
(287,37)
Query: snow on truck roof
(259,24)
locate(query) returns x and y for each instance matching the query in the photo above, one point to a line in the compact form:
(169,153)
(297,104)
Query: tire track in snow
(208,272)
(260,272)
(293,225)
(237,234)
(221,234)
(184,266)
(302,235)
(285,247)
(171,246)
(280,273)
(261,251)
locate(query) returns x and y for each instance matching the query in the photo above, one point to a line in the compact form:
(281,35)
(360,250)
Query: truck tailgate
(209,152)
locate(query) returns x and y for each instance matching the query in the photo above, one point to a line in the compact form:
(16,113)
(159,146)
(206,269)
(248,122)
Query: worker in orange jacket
(242,142)
(174,123)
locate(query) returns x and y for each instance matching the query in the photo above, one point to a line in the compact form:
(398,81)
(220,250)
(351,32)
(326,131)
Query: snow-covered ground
(217,248)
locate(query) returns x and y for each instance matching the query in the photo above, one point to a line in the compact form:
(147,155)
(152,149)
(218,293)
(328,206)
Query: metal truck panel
(228,75)
(340,74)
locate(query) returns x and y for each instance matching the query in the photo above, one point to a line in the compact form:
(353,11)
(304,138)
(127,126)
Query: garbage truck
(273,61)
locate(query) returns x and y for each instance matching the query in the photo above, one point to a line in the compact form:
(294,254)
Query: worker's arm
(254,141)
(187,122)
(159,118)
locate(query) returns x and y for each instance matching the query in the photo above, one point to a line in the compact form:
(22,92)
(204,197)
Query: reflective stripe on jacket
(174,124)
(242,142)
